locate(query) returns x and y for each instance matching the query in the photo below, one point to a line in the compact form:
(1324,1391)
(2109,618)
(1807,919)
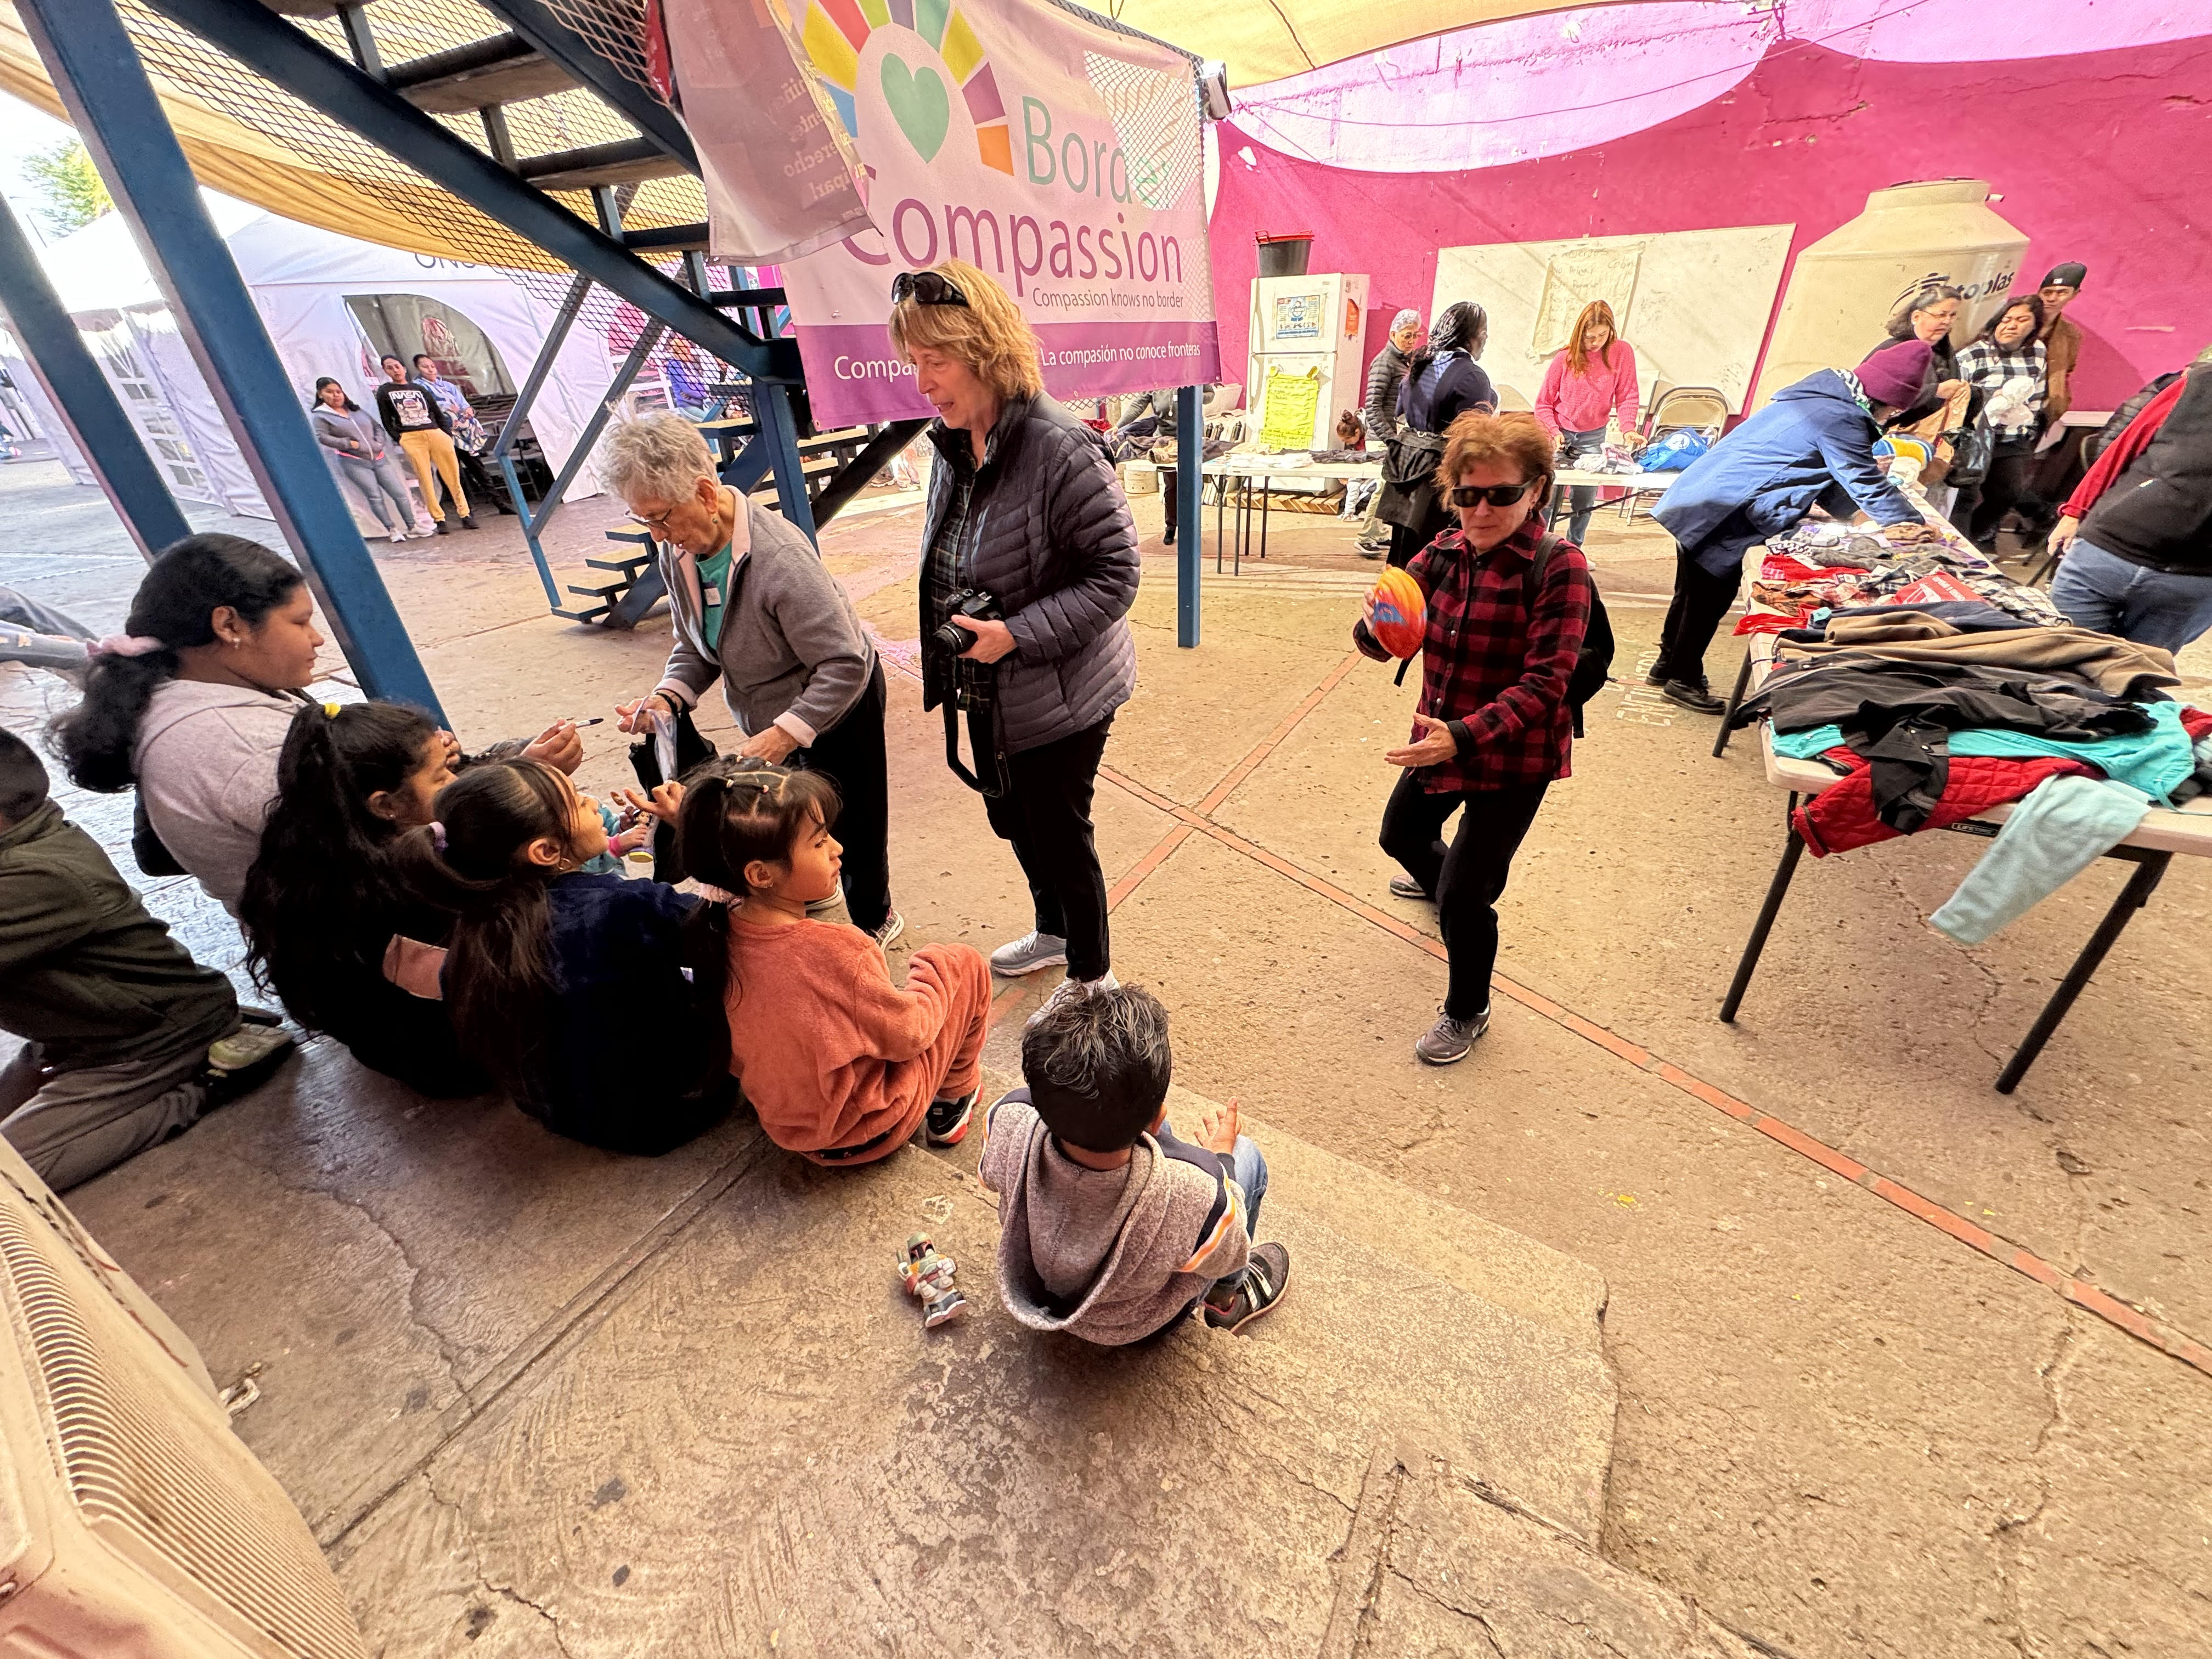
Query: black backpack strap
(1547,545)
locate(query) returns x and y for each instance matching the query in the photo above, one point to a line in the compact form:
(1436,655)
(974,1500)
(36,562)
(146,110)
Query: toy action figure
(928,1277)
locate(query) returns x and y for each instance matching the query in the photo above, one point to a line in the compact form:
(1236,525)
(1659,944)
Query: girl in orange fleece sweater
(842,1065)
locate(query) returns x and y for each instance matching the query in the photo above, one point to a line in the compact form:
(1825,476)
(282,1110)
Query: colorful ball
(1400,613)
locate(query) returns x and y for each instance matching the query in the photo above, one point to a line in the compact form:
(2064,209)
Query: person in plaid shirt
(2007,362)
(1494,726)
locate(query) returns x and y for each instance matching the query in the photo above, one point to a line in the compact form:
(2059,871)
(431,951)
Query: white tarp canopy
(300,278)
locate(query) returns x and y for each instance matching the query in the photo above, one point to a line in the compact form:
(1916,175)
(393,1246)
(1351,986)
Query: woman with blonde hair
(754,608)
(1591,382)
(1508,605)
(1028,569)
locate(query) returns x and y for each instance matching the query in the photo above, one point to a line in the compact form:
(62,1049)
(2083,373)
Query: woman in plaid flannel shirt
(1493,727)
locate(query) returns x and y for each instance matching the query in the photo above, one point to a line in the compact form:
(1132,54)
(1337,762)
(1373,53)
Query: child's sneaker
(948,1120)
(1235,1304)
(241,1063)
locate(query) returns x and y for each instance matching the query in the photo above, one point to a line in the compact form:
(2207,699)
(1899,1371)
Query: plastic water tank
(1844,287)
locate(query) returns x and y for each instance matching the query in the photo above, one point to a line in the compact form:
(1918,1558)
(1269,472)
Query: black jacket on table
(410,406)
(2158,512)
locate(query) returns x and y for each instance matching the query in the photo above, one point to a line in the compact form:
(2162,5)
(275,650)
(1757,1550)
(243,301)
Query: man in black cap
(2062,340)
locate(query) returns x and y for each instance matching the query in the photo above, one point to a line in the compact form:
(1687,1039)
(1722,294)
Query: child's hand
(661,804)
(1218,1128)
(630,839)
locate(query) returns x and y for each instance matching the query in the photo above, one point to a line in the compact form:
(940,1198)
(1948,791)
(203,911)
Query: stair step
(626,160)
(628,567)
(503,68)
(1502,1266)
(612,590)
(590,616)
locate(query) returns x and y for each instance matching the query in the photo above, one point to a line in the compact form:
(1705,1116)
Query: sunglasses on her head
(1496,494)
(925,288)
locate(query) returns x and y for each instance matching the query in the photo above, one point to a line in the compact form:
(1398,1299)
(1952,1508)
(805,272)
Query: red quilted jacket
(1841,816)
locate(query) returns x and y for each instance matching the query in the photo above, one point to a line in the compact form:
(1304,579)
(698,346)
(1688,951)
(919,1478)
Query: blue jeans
(1249,1171)
(1582,500)
(2101,591)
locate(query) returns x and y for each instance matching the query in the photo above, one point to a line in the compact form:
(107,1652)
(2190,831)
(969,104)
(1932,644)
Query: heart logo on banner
(920,104)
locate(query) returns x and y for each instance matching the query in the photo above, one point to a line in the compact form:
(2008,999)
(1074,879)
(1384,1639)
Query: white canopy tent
(301,279)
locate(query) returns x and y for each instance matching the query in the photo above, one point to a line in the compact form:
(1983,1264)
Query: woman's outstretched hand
(1435,745)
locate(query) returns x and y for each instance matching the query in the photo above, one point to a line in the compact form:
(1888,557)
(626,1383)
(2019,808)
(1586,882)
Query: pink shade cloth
(1581,403)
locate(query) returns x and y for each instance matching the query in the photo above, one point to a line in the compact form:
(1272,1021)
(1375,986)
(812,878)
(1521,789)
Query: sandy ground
(1840,1428)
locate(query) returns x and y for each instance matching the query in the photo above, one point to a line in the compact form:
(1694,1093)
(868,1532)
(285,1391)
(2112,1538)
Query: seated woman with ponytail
(842,1065)
(323,902)
(194,701)
(568,988)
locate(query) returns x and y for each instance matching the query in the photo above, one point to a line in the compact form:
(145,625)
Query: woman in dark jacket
(1443,382)
(1028,569)
(1813,446)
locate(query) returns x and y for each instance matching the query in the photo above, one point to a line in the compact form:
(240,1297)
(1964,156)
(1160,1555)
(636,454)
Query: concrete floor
(499,1372)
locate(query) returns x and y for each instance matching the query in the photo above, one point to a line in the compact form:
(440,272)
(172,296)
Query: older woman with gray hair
(754,607)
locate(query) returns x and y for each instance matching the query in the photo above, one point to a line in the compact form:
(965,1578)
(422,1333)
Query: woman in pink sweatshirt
(1592,378)
(842,1065)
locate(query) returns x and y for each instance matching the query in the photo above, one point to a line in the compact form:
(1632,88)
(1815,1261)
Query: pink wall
(2103,157)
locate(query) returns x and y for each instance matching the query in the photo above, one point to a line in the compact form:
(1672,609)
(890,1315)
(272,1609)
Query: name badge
(714,597)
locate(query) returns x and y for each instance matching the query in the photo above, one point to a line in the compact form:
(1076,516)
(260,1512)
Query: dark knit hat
(1894,373)
(2069,275)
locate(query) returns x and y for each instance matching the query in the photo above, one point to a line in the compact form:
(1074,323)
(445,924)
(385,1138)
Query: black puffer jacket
(2159,511)
(1049,534)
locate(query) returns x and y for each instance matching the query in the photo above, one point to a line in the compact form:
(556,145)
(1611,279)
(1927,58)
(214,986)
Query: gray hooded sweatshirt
(206,760)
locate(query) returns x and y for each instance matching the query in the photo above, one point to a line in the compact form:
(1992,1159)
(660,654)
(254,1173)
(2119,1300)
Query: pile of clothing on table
(1820,569)
(1935,712)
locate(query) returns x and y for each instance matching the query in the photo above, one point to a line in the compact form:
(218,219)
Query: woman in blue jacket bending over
(1812,446)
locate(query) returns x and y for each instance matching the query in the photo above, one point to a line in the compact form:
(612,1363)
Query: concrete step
(1503,1268)
(754,1437)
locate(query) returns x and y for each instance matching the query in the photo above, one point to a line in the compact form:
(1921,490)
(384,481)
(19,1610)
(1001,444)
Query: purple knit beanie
(1894,373)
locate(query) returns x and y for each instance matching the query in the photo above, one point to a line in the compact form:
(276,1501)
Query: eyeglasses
(659,520)
(1496,494)
(925,288)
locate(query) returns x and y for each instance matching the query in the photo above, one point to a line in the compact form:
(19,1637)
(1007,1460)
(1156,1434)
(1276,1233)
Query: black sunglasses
(1496,494)
(925,288)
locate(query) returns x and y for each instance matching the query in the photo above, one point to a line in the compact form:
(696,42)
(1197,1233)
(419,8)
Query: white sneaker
(397,536)
(887,935)
(1031,953)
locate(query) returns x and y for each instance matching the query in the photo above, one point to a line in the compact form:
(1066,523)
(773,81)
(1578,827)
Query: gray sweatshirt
(206,760)
(358,436)
(793,651)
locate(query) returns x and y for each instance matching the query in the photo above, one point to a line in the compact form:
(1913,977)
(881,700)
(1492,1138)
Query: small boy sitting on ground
(129,1039)
(1111,1227)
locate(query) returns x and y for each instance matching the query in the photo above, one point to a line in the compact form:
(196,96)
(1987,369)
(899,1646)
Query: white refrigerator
(1308,336)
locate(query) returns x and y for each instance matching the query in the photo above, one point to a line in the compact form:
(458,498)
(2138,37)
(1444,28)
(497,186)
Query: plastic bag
(1673,451)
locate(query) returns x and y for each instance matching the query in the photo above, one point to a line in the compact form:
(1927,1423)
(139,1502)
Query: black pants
(1046,813)
(1701,600)
(1466,877)
(851,755)
(1981,508)
(482,483)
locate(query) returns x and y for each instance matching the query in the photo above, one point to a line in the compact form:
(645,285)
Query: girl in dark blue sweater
(568,988)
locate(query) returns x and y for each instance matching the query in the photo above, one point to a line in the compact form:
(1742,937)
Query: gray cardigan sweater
(793,651)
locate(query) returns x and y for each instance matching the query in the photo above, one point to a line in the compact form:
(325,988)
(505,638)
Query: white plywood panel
(1694,303)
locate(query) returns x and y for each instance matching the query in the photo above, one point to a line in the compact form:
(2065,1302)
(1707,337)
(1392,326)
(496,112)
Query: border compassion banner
(1056,153)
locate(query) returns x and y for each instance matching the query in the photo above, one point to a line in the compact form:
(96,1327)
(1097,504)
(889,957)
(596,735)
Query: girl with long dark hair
(191,702)
(546,969)
(323,902)
(842,1066)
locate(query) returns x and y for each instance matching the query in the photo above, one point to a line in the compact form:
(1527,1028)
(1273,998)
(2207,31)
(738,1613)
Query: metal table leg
(1776,890)
(1734,703)
(1266,496)
(1220,517)
(2150,868)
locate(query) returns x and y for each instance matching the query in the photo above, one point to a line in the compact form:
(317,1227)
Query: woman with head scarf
(1443,381)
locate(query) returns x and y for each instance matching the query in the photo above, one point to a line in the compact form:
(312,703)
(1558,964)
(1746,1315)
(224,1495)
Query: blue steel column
(80,394)
(1190,459)
(111,104)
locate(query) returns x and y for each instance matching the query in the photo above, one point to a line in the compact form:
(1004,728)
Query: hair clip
(331,709)
(123,644)
(438,836)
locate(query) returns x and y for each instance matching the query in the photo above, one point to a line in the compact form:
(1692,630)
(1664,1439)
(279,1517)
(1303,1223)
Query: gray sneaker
(887,935)
(1031,953)
(1450,1039)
